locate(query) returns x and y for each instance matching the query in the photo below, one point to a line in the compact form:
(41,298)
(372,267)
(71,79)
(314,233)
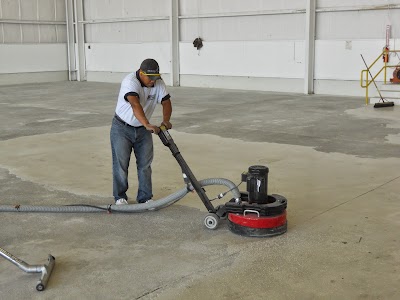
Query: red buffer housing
(257,214)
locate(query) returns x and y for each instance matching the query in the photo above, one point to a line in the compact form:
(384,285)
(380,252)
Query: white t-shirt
(148,97)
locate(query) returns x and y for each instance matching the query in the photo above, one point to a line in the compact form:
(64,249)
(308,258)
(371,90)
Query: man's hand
(167,124)
(153,128)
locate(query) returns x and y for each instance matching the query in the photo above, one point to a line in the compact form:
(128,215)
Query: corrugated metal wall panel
(128,32)
(343,3)
(106,9)
(221,6)
(140,8)
(251,28)
(61,33)
(10,9)
(46,10)
(33,10)
(28,10)
(12,33)
(30,33)
(257,27)
(48,34)
(354,25)
(60,10)
(102,9)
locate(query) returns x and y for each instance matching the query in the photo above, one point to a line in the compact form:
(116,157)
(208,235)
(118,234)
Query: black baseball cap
(150,68)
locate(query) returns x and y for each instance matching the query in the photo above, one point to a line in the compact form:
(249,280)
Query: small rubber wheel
(211,221)
(40,287)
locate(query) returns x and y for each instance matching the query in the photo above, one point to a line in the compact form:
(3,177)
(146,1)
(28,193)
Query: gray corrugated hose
(153,205)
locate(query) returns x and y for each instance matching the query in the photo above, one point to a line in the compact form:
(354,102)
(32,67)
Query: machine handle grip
(165,136)
(246,211)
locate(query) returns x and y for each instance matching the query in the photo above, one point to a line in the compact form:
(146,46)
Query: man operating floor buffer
(254,213)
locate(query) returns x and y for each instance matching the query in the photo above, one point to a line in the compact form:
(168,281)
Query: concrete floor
(334,159)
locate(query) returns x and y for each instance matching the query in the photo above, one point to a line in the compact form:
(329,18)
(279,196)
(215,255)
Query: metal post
(309,48)
(174,42)
(386,52)
(69,16)
(366,91)
(80,39)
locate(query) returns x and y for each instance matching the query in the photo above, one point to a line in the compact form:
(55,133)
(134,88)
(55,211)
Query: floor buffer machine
(254,213)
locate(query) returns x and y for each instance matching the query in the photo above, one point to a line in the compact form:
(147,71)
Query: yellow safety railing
(384,68)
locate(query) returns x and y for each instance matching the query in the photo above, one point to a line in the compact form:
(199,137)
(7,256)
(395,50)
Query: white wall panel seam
(292,11)
(55,18)
(1,16)
(20,25)
(199,27)
(120,20)
(244,14)
(38,18)
(358,8)
(36,22)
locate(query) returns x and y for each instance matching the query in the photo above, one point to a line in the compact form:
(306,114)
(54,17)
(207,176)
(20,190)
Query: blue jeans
(123,139)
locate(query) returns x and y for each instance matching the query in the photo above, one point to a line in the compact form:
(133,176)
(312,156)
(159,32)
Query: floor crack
(367,192)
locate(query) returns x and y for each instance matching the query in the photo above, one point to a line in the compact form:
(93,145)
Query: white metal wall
(32,41)
(255,44)
(247,44)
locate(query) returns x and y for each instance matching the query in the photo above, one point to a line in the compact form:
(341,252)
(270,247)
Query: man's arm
(139,114)
(167,112)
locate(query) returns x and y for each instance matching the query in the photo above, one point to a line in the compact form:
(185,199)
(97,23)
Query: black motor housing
(257,184)
(256,213)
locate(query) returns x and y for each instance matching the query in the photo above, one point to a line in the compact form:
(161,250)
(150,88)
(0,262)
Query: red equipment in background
(385,55)
(396,76)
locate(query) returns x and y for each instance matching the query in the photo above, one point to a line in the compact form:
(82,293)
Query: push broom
(378,104)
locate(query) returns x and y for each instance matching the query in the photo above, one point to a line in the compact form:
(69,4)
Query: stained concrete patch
(393,139)
(79,162)
(81,113)
(368,112)
(390,114)
(52,120)
(330,125)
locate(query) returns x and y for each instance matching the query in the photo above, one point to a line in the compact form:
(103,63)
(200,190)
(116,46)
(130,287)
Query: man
(131,129)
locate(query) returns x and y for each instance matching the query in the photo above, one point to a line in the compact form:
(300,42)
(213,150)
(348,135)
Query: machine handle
(251,211)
